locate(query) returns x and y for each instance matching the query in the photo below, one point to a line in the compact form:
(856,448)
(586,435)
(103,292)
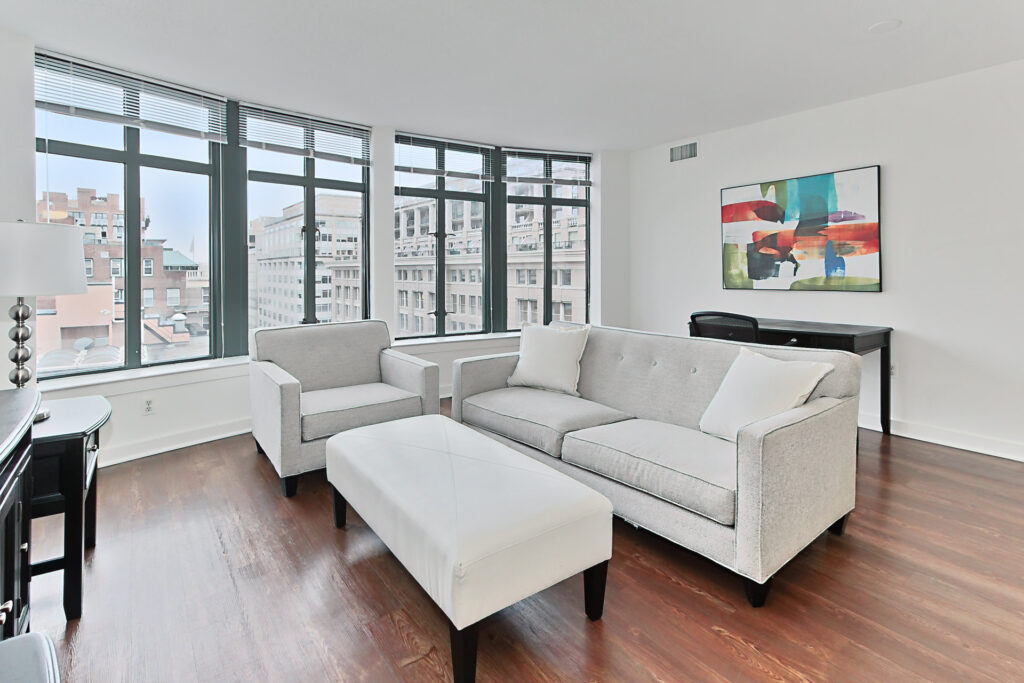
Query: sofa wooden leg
(594,581)
(840,525)
(289,485)
(464,652)
(340,508)
(757,593)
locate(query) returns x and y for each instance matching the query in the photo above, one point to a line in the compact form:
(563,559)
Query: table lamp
(36,259)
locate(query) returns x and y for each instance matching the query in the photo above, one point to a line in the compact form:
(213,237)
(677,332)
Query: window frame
(441,194)
(132,161)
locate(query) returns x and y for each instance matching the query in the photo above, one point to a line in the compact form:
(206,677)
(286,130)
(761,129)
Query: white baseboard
(1011,450)
(118,453)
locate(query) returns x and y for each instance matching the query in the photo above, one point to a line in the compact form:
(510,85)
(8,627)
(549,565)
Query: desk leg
(886,383)
(73,487)
(90,512)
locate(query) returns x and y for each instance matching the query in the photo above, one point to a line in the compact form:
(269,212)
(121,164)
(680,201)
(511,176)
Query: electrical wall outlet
(147,407)
(892,369)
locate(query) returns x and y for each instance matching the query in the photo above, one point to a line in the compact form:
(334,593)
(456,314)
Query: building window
(88,267)
(173,296)
(205,293)
(118,296)
(147,298)
(116,267)
(147,267)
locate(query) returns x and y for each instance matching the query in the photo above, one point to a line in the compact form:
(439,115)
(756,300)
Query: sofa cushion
(536,417)
(682,466)
(329,411)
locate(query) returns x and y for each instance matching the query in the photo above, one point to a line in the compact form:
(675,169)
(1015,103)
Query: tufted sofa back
(673,379)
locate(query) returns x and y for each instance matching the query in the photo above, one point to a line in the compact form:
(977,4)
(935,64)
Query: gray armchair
(309,382)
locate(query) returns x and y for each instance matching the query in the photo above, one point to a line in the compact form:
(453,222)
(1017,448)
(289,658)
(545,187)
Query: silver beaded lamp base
(20,312)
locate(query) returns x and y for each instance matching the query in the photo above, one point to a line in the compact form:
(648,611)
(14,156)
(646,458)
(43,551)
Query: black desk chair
(719,325)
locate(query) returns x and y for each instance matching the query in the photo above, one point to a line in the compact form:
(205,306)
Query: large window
(442,194)
(547,259)
(144,213)
(308,183)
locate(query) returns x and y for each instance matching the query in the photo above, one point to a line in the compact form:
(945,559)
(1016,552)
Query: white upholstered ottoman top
(478,525)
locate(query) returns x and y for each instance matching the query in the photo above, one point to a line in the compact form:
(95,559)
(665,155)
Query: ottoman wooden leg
(594,580)
(340,507)
(464,652)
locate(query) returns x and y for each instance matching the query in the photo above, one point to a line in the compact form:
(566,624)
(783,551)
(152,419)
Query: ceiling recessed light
(887,26)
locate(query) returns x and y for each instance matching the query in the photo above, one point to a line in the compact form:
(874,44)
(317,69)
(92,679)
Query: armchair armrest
(276,415)
(412,374)
(476,375)
(796,475)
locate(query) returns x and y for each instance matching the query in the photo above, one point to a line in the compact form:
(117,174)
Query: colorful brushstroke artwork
(815,232)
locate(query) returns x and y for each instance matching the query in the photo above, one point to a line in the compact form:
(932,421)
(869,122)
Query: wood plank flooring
(203,572)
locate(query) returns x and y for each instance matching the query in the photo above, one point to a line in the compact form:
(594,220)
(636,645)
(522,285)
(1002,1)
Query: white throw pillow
(757,387)
(549,357)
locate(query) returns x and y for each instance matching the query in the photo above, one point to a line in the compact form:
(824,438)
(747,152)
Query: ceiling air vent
(683,152)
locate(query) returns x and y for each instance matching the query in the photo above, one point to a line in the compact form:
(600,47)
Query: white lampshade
(41,259)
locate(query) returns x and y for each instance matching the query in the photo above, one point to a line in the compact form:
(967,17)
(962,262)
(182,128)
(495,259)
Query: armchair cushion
(682,466)
(325,355)
(536,417)
(327,412)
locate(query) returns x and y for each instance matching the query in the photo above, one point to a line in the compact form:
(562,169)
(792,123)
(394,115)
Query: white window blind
(281,131)
(75,88)
(423,155)
(545,168)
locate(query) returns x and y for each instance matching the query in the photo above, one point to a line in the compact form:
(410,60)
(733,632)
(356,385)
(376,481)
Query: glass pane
(525,246)
(336,170)
(54,126)
(415,180)
(464,267)
(569,263)
(569,170)
(161,144)
(175,265)
(84,331)
(276,214)
(463,185)
(415,262)
(275,162)
(524,167)
(415,156)
(339,265)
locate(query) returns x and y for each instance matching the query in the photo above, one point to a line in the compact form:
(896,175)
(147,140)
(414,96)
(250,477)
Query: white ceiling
(578,75)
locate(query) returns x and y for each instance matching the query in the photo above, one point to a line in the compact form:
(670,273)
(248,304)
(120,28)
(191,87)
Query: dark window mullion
(365,251)
(309,247)
(132,252)
(441,232)
(548,243)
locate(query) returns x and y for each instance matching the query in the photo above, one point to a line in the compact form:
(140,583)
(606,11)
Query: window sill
(466,339)
(129,381)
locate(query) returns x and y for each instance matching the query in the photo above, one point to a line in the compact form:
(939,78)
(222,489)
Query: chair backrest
(673,379)
(325,355)
(721,325)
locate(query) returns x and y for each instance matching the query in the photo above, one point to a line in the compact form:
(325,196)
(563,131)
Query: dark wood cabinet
(17,409)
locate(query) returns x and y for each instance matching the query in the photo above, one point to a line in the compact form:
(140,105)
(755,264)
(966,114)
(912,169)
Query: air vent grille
(681,152)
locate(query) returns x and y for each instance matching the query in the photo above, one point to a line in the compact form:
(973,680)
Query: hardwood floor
(203,571)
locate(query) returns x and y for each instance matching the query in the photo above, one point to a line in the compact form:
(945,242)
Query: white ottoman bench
(477,524)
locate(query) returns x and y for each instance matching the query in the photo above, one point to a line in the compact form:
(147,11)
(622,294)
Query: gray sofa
(309,382)
(632,434)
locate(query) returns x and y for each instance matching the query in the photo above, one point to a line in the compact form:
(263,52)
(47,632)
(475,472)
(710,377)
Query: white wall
(609,239)
(17,155)
(952,171)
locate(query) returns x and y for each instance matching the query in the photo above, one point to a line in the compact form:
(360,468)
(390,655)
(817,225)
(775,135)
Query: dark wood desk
(64,475)
(17,409)
(859,339)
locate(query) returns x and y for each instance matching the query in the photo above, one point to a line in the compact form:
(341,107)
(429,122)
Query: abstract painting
(814,232)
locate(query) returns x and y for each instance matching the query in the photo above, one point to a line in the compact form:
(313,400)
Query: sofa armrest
(476,375)
(276,414)
(412,374)
(796,475)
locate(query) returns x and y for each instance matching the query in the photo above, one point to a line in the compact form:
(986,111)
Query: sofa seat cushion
(328,411)
(683,466)
(536,417)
